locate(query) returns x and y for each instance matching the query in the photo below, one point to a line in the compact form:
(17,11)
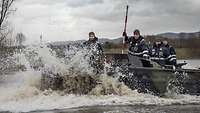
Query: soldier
(171,59)
(96,52)
(137,47)
(159,53)
(93,44)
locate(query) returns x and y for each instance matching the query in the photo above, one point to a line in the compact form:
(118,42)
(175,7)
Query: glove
(124,34)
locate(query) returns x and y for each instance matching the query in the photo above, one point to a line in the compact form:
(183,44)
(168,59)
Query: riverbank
(182,53)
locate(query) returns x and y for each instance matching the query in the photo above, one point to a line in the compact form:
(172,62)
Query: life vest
(138,47)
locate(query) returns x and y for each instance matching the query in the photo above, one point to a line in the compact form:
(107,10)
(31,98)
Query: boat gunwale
(167,70)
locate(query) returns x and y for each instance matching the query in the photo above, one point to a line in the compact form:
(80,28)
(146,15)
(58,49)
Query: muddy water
(192,63)
(129,109)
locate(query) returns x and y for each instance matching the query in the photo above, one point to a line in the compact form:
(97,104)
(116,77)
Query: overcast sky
(60,20)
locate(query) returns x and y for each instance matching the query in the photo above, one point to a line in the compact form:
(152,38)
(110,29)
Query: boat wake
(26,90)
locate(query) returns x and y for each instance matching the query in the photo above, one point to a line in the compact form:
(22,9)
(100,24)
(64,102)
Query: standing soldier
(96,52)
(137,48)
(93,44)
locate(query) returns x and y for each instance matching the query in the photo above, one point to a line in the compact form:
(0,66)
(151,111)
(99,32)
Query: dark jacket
(94,46)
(137,47)
(171,59)
(96,55)
(163,54)
(159,53)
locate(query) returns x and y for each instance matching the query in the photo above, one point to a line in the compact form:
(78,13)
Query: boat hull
(158,80)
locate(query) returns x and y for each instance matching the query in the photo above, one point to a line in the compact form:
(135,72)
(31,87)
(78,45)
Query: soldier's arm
(172,51)
(126,38)
(145,49)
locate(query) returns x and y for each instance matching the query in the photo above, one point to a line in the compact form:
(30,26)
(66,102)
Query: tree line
(192,42)
(5,10)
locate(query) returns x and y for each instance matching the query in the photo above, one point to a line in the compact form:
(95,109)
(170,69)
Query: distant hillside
(115,41)
(165,35)
(180,35)
(119,40)
(58,43)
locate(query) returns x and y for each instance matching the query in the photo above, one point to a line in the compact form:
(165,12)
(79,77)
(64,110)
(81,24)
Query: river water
(20,92)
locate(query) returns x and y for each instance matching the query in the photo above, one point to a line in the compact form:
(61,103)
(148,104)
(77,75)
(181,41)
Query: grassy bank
(182,53)
(188,53)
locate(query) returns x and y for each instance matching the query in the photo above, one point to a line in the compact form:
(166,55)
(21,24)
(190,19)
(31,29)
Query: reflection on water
(130,109)
(191,64)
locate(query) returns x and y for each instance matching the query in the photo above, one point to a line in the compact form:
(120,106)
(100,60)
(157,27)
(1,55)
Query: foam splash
(19,86)
(55,100)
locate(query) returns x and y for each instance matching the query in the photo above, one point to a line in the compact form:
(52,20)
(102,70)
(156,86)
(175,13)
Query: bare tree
(20,38)
(5,10)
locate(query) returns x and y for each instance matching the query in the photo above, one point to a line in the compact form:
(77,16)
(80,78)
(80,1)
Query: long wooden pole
(125,27)
(126,18)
